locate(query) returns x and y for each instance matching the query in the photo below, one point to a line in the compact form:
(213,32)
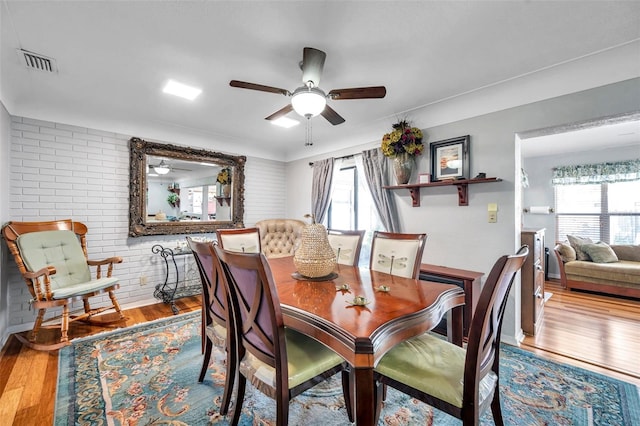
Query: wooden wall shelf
(222,200)
(462,184)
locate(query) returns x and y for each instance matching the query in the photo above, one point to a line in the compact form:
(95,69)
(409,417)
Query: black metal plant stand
(170,291)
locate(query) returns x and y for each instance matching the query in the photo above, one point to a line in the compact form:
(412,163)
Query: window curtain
(376,172)
(321,188)
(622,171)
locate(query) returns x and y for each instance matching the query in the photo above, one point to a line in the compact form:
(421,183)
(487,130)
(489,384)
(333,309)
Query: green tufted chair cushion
(62,250)
(433,366)
(306,359)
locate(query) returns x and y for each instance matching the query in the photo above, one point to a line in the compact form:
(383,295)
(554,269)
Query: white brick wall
(60,171)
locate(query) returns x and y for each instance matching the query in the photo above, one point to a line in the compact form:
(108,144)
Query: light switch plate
(493,217)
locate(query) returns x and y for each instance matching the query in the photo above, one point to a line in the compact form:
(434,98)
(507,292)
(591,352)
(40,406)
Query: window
(608,212)
(351,206)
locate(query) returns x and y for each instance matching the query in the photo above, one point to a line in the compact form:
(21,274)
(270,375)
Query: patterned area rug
(147,375)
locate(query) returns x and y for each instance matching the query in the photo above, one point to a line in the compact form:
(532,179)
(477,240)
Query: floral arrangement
(403,139)
(224,176)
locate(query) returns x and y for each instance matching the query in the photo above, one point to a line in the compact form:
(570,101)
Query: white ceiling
(113,57)
(596,138)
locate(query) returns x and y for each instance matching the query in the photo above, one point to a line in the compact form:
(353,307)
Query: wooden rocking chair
(52,258)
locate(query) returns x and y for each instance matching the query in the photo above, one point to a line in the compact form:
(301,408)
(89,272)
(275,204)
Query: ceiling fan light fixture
(308,101)
(162,168)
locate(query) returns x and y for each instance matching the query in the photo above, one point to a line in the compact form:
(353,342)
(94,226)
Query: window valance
(621,171)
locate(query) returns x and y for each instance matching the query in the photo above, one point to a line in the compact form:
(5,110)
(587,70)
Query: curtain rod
(336,158)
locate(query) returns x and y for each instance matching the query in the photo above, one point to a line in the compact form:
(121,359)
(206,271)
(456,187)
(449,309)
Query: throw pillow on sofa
(600,252)
(567,253)
(577,243)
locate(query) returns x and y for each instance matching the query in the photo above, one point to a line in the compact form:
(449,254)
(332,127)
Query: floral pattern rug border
(147,374)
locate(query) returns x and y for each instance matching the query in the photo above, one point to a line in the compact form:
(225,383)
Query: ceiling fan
(164,167)
(309,100)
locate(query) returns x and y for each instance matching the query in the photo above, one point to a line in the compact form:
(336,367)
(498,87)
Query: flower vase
(226,190)
(403,165)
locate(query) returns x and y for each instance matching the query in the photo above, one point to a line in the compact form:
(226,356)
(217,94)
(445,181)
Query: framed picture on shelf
(450,159)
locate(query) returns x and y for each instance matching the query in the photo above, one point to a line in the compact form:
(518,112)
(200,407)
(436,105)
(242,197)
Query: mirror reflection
(179,190)
(176,190)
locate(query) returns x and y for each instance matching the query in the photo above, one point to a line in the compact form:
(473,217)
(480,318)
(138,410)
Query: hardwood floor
(594,332)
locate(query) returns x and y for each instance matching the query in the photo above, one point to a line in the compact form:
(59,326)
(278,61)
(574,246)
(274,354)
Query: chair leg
(87,306)
(379,391)
(282,408)
(64,326)
(232,366)
(496,410)
(347,391)
(37,325)
(115,303)
(205,361)
(237,409)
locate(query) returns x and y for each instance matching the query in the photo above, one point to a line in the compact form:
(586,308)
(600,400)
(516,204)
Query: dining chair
(346,245)
(277,360)
(243,240)
(215,316)
(459,382)
(52,259)
(279,237)
(397,254)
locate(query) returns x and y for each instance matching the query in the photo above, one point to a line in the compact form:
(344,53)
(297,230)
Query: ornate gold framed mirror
(182,190)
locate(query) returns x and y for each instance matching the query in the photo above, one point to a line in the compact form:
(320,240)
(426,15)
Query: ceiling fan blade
(332,116)
(312,65)
(258,87)
(280,113)
(358,93)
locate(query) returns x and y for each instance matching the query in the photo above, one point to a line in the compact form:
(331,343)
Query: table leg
(454,325)
(364,400)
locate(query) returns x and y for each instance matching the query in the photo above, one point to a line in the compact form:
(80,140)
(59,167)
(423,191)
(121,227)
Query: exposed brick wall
(60,171)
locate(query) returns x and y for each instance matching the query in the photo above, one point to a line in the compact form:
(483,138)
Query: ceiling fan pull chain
(308,141)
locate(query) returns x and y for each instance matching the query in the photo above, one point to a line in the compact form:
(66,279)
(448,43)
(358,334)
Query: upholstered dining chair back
(278,361)
(215,315)
(52,258)
(397,254)
(279,237)
(462,383)
(346,245)
(242,240)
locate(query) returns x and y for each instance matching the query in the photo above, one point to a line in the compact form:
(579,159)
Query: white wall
(540,191)
(5,141)
(460,237)
(60,171)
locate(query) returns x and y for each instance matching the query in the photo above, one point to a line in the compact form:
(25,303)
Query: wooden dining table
(396,309)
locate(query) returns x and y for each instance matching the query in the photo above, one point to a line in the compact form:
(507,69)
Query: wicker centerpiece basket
(314,258)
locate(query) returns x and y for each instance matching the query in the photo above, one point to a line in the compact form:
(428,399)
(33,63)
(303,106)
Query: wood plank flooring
(597,333)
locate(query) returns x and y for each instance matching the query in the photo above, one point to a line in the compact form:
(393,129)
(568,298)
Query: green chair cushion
(217,334)
(429,364)
(306,357)
(62,250)
(84,288)
(433,366)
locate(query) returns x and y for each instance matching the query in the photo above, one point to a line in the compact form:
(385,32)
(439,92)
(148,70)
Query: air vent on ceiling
(37,62)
